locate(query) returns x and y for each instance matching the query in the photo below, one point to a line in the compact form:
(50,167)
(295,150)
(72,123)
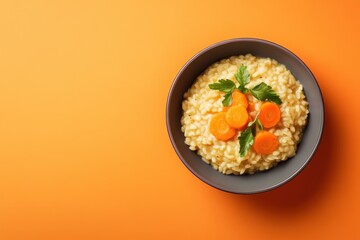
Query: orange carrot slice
(269,114)
(265,142)
(238,98)
(220,128)
(225,109)
(237,116)
(250,119)
(251,107)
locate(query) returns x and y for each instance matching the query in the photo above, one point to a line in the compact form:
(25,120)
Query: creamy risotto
(201,103)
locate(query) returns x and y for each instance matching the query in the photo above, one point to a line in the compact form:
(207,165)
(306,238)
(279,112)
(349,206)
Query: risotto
(201,103)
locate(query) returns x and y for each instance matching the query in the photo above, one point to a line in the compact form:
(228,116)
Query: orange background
(84,152)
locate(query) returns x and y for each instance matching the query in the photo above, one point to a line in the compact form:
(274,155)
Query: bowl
(260,181)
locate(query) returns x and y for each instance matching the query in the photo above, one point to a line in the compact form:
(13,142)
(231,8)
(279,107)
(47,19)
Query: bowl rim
(223,42)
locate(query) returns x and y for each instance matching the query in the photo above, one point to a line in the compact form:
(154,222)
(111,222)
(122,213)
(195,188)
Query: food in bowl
(244,114)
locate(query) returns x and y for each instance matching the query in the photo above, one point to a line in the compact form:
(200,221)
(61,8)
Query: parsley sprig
(262,91)
(227,86)
(243,78)
(246,138)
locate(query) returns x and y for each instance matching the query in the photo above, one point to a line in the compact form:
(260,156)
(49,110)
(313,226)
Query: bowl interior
(260,181)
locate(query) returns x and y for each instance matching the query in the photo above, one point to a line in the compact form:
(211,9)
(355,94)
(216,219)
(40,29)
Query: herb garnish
(224,85)
(261,91)
(246,138)
(243,78)
(264,92)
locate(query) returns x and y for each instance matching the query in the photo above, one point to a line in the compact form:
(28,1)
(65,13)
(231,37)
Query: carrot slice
(269,114)
(238,98)
(265,142)
(225,109)
(220,128)
(250,119)
(237,116)
(251,107)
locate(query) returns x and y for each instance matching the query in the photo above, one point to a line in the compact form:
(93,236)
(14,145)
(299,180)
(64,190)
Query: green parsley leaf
(259,124)
(243,78)
(246,140)
(227,99)
(257,121)
(224,85)
(264,92)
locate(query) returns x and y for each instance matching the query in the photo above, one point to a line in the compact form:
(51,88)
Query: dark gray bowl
(261,181)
